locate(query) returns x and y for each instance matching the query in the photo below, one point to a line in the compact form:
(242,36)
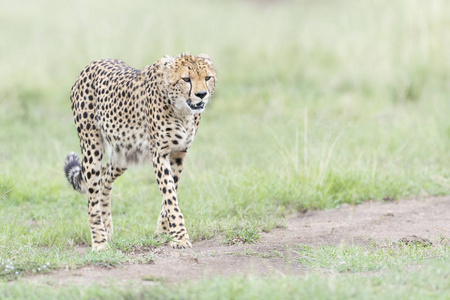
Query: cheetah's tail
(72,168)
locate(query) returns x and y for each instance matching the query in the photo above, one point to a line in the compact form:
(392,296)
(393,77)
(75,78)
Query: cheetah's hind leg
(109,174)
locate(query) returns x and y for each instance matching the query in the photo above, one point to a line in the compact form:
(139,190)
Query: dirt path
(426,220)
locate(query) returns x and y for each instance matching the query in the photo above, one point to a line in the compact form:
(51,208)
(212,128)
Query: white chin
(182,106)
(197,111)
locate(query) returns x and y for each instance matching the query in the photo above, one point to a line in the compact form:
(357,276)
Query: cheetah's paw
(181,244)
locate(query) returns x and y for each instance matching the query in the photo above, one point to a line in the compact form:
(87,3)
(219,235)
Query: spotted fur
(137,116)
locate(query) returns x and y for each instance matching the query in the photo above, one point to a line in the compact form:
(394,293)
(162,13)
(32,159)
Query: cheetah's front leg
(176,165)
(170,211)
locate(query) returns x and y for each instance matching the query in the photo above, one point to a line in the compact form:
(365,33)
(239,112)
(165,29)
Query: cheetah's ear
(166,61)
(205,57)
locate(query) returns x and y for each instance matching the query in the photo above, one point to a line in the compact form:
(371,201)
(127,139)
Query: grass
(368,259)
(317,104)
(431,282)
(246,236)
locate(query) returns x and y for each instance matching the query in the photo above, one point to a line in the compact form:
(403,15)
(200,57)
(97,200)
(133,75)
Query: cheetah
(137,116)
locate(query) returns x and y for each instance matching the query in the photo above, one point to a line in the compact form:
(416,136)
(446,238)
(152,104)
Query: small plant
(108,258)
(10,270)
(245,236)
(143,260)
(4,193)
(153,278)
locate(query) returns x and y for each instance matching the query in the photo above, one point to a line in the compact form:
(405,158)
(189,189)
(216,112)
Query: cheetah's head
(190,81)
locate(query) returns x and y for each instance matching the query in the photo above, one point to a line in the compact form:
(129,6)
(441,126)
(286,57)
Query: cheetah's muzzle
(196,106)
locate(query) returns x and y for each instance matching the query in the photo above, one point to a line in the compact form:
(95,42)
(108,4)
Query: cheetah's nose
(201,95)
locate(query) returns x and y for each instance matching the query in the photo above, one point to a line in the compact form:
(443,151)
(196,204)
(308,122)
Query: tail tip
(72,160)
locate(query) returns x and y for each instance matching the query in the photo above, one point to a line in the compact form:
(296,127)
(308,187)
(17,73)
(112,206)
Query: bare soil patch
(418,220)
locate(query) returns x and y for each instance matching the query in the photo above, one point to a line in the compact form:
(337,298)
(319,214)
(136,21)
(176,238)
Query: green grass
(246,236)
(429,281)
(317,104)
(368,259)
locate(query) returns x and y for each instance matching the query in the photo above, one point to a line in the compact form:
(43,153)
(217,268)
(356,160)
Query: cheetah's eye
(207,78)
(186,79)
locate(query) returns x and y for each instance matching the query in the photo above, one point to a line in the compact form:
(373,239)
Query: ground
(422,220)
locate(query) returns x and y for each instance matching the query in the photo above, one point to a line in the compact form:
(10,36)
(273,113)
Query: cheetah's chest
(179,134)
